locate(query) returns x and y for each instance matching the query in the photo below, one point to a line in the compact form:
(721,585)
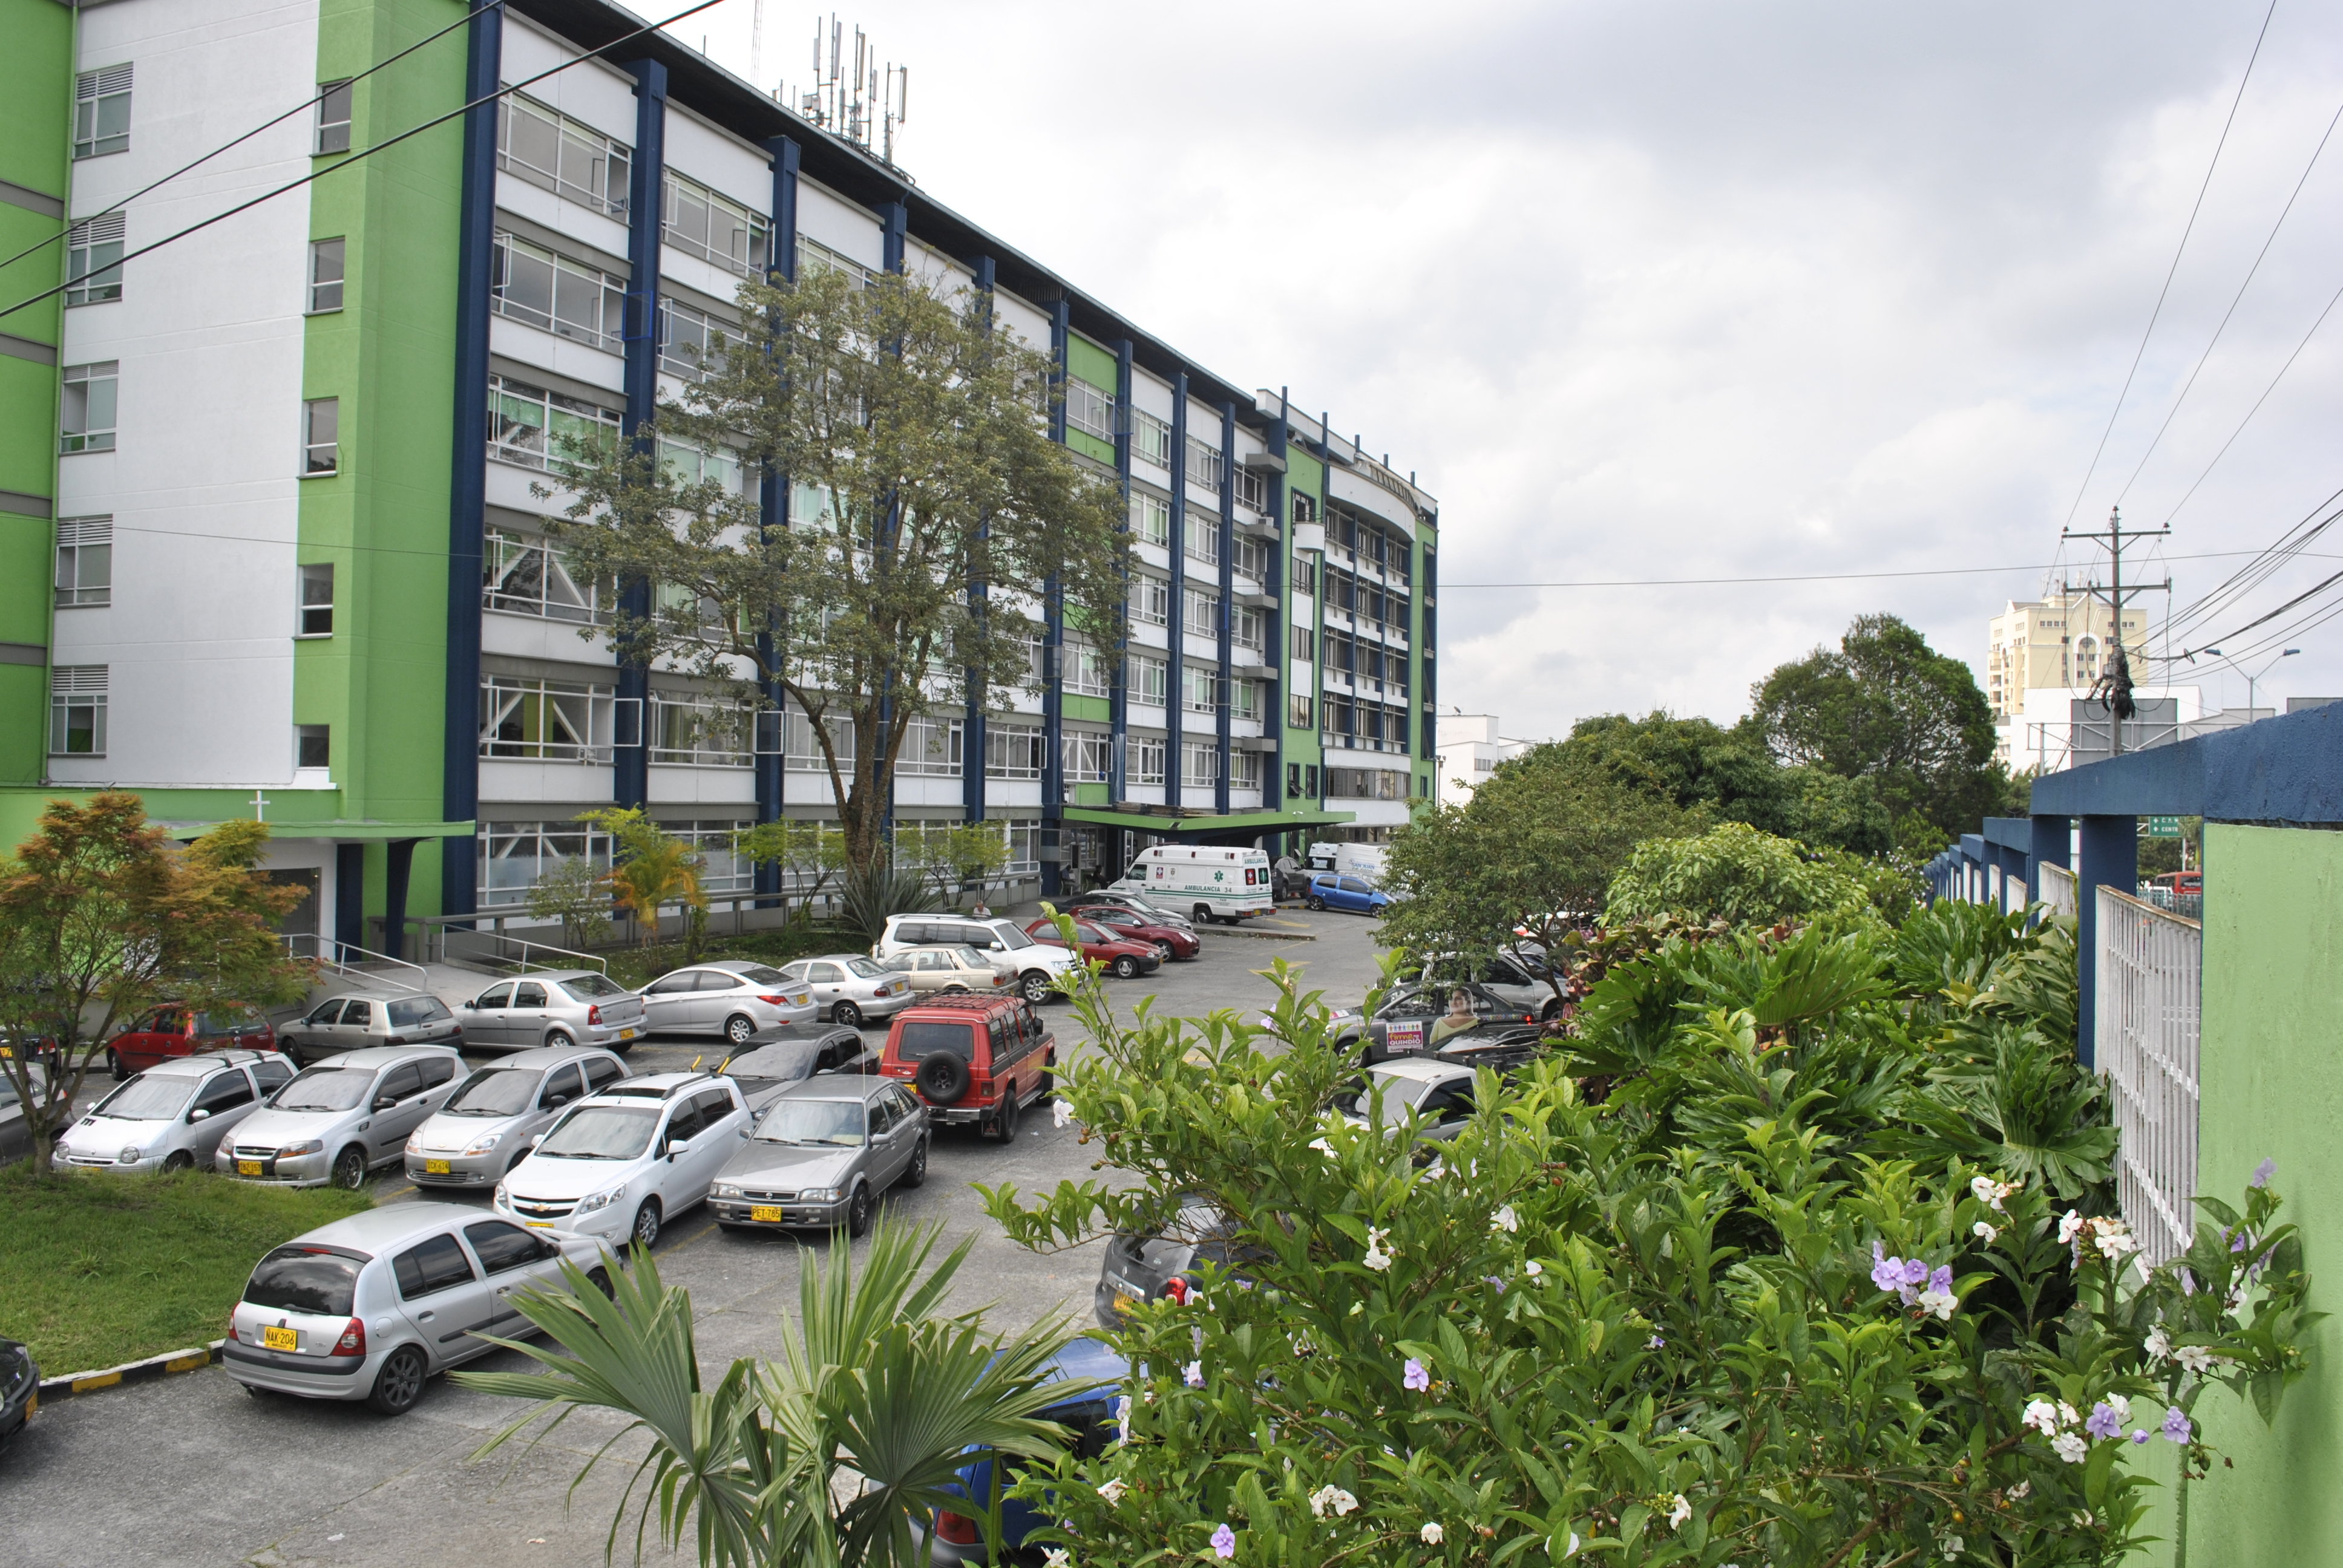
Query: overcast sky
(1694,290)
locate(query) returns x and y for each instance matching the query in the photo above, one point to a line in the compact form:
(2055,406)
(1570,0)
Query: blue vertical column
(1053,640)
(1427,653)
(646,202)
(2053,846)
(2110,859)
(773,492)
(1228,596)
(1175,693)
(893,218)
(459,783)
(1276,645)
(972,732)
(1118,691)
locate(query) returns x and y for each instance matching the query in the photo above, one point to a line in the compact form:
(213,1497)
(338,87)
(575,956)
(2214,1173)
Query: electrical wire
(2258,256)
(2201,477)
(1812,577)
(2168,273)
(224,147)
(366,152)
(2265,564)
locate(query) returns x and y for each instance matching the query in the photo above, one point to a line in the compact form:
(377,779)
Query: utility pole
(2116,680)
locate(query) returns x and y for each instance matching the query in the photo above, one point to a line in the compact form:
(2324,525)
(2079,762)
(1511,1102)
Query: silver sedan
(848,988)
(731,997)
(484,1128)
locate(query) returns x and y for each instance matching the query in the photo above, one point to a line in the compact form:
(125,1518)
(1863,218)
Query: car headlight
(819,1195)
(600,1201)
(129,1155)
(415,1142)
(501,1201)
(482,1145)
(726,1190)
(307,1146)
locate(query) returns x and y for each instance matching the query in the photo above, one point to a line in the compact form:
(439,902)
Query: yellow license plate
(280,1339)
(626,1034)
(1124,1303)
(247,1167)
(766,1212)
(538,1224)
(435,1167)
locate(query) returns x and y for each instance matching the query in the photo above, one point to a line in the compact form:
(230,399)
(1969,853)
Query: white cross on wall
(259,807)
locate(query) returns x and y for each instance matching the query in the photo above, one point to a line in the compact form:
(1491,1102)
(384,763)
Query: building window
(932,747)
(1200,688)
(1089,409)
(1144,758)
(1150,599)
(321,446)
(688,464)
(517,855)
(528,719)
(1085,754)
(1306,647)
(1245,770)
(317,600)
(722,868)
(1305,506)
(1012,750)
(1305,575)
(1151,438)
(697,733)
(529,424)
(1249,628)
(1253,489)
(1204,466)
(88,412)
(1200,764)
(1201,613)
(334,101)
(531,283)
(692,343)
(326,258)
(1203,541)
(1089,672)
(713,227)
(801,749)
(94,260)
(1150,518)
(77,711)
(1244,699)
(85,561)
(1297,710)
(313,746)
(1248,557)
(101,112)
(551,150)
(1149,679)
(815,254)
(526,576)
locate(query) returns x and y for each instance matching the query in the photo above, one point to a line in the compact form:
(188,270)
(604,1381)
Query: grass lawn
(97,1269)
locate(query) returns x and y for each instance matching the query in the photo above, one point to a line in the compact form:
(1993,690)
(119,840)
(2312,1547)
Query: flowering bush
(1786,1296)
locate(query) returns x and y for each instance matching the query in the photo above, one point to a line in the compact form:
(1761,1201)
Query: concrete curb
(1258,936)
(195,1358)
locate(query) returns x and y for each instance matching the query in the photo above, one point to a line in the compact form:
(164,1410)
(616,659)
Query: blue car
(1331,891)
(1087,1414)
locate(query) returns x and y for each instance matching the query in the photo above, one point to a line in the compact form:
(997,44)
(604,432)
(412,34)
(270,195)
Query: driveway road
(194,1472)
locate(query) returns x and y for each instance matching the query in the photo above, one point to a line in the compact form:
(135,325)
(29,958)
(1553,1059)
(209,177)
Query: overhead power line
(2190,228)
(1816,576)
(2332,301)
(366,152)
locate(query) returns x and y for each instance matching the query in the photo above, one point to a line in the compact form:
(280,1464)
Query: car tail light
(594,1016)
(957,1528)
(353,1339)
(774,1000)
(1176,1288)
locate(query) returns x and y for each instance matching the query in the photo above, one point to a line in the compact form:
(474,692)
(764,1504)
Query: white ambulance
(1207,881)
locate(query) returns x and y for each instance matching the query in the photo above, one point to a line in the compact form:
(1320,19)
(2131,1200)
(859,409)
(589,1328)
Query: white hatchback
(622,1163)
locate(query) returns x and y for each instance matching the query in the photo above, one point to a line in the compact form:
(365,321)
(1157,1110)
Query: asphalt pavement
(194,1471)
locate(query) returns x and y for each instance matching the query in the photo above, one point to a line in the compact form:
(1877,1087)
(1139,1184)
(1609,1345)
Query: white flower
(2042,1416)
(2070,1227)
(1569,1551)
(1334,1499)
(1437,1169)
(1060,1115)
(1952,1546)
(1940,1302)
(2193,1358)
(1679,1511)
(1432,1533)
(1194,1372)
(2121,1406)
(2083,1520)
(1506,1220)
(2158,1344)
(1376,1258)
(2021,1492)
(1122,1424)
(2069,1447)
(1057,1557)
(2115,1239)
(1111,1493)
(1532,1268)
(2066,1416)
(1989,1192)
(1984,1233)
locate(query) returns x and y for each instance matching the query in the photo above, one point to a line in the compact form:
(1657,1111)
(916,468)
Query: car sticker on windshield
(1404,1035)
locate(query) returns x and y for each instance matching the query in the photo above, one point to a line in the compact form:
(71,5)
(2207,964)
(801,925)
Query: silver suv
(172,1116)
(553,1007)
(1036,969)
(341,1119)
(484,1128)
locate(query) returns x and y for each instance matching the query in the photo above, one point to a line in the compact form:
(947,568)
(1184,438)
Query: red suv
(973,1059)
(172,1031)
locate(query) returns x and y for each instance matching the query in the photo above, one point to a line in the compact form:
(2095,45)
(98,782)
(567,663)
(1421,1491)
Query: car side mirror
(198,1114)
(385,1101)
(537,1140)
(676,1146)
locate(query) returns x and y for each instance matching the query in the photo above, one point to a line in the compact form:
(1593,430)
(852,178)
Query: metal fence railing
(2149,989)
(2059,890)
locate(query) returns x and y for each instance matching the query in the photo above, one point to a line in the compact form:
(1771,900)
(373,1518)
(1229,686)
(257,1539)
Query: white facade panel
(941,273)
(722,162)
(672,785)
(525,345)
(599,94)
(1352,490)
(532,784)
(508,485)
(601,238)
(537,638)
(926,790)
(1030,326)
(704,279)
(1150,395)
(847,229)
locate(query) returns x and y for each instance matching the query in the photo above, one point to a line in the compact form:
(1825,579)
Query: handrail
(337,960)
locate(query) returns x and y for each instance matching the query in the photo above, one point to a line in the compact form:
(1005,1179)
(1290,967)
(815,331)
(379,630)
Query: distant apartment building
(2061,641)
(272,532)
(1470,750)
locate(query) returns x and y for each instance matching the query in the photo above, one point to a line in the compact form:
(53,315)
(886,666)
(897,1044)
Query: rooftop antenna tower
(853,95)
(757,42)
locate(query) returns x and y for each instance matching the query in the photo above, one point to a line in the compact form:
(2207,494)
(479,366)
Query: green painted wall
(1093,364)
(389,355)
(36,79)
(1422,725)
(1304,476)
(2272,1083)
(1089,709)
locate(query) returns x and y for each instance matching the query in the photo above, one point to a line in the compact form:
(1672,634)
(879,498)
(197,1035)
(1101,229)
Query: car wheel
(857,1211)
(1126,968)
(350,1169)
(846,1014)
(1005,1124)
(1049,1089)
(179,1159)
(1553,1011)
(955,990)
(400,1383)
(646,1231)
(739,1028)
(1201,911)
(559,1040)
(1317,903)
(1162,953)
(113,1065)
(599,1277)
(1035,987)
(916,1174)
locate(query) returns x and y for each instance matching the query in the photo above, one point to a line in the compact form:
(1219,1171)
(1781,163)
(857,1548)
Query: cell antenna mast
(2115,684)
(853,96)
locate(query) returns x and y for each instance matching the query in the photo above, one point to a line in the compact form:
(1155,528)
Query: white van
(1209,882)
(1362,860)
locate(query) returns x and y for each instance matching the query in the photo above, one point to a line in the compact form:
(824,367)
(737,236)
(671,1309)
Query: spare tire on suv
(942,1076)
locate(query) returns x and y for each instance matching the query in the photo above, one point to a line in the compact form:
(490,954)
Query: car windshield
(863,968)
(831,1123)
(760,975)
(304,1279)
(602,1132)
(149,1097)
(593,988)
(920,1038)
(1014,938)
(494,1092)
(325,1089)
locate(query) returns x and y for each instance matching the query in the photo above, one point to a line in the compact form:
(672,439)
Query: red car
(1169,942)
(1123,958)
(172,1031)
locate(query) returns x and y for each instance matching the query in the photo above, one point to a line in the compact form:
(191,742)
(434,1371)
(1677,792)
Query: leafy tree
(914,433)
(955,854)
(1711,1319)
(809,855)
(1533,851)
(576,895)
(651,869)
(102,917)
(833,1456)
(1731,776)
(1735,873)
(1885,707)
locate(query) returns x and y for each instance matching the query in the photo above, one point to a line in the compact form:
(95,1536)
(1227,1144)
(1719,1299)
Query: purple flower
(2239,1241)
(2175,1425)
(1886,1272)
(1492,1279)
(1224,1542)
(1415,1377)
(2187,1281)
(1941,1281)
(2139,1435)
(2264,1171)
(2103,1420)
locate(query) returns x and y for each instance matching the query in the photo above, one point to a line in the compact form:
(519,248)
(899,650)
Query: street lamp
(2253,681)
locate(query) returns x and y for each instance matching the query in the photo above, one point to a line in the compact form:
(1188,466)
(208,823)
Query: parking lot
(194,1471)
